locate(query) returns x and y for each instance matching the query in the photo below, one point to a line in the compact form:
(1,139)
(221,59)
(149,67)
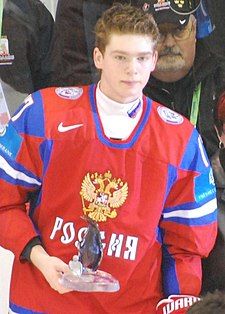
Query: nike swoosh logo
(182,21)
(62,128)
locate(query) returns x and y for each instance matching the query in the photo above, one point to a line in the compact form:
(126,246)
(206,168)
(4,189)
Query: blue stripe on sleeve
(16,174)
(193,213)
(202,221)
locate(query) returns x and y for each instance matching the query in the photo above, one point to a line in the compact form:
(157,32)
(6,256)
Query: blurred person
(27,27)
(188,77)
(134,166)
(214,277)
(73,42)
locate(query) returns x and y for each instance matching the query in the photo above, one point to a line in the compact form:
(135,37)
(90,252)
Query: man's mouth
(169,54)
(170,51)
(130,82)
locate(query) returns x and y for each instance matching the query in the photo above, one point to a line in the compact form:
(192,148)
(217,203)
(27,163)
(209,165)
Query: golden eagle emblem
(101,194)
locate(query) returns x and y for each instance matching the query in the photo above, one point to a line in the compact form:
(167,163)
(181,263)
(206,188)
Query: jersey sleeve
(20,175)
(189,220)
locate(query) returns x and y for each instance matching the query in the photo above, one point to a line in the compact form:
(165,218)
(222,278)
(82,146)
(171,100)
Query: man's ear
(98,58)
(194,25)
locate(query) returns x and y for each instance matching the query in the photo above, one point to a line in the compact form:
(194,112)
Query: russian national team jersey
(153,197)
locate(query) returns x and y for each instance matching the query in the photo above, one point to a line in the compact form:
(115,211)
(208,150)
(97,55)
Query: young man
(135,167)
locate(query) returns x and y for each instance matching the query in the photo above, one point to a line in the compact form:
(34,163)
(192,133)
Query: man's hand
(176,304)
(51,267)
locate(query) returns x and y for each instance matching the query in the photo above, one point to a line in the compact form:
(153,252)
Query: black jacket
(28,26)
(73,42)
(216,39)
(210,71)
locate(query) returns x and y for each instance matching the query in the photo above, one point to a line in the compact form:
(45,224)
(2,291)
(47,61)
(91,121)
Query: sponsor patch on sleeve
(10,141)
(69,92)
(169,116)
(204,186)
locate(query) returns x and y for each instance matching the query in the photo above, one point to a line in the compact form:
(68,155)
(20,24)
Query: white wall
(6,260)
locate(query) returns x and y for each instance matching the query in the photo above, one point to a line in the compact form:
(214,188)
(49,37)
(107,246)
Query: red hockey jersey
(152,195)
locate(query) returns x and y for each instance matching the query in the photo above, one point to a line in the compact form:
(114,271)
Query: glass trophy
(83,274)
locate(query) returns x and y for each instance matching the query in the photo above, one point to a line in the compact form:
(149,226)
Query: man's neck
(170,77)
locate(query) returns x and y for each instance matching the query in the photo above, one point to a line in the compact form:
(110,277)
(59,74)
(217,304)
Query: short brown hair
(124,19)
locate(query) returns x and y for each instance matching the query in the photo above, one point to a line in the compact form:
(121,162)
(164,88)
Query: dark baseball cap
(174,11)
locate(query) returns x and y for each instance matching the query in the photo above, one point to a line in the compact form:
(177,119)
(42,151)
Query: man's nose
(169,40)
(132,65)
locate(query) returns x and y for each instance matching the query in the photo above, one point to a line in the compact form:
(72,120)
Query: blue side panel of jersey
(170,281)
(27,121)
(159,235)
(171,178)
(45,153)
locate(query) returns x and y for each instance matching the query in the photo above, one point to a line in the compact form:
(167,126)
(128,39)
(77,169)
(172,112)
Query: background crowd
(59,53)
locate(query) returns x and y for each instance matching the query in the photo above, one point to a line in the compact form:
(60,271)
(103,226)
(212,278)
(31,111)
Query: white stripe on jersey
(27,102)
(202,151)
(198,212)
(15,174)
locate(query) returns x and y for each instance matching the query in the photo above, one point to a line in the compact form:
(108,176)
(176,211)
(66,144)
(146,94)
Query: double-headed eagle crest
(101,194)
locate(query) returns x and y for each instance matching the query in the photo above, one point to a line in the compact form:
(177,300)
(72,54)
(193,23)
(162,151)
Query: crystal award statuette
(84,274)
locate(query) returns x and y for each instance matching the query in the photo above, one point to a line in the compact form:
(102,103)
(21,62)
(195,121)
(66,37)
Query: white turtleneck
(118,120)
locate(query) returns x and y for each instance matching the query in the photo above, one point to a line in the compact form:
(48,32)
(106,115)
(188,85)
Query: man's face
(125,66)
(176,47)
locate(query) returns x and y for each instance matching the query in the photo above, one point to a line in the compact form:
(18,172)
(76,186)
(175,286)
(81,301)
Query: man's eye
(179,33)
(142,59)
(120,58)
